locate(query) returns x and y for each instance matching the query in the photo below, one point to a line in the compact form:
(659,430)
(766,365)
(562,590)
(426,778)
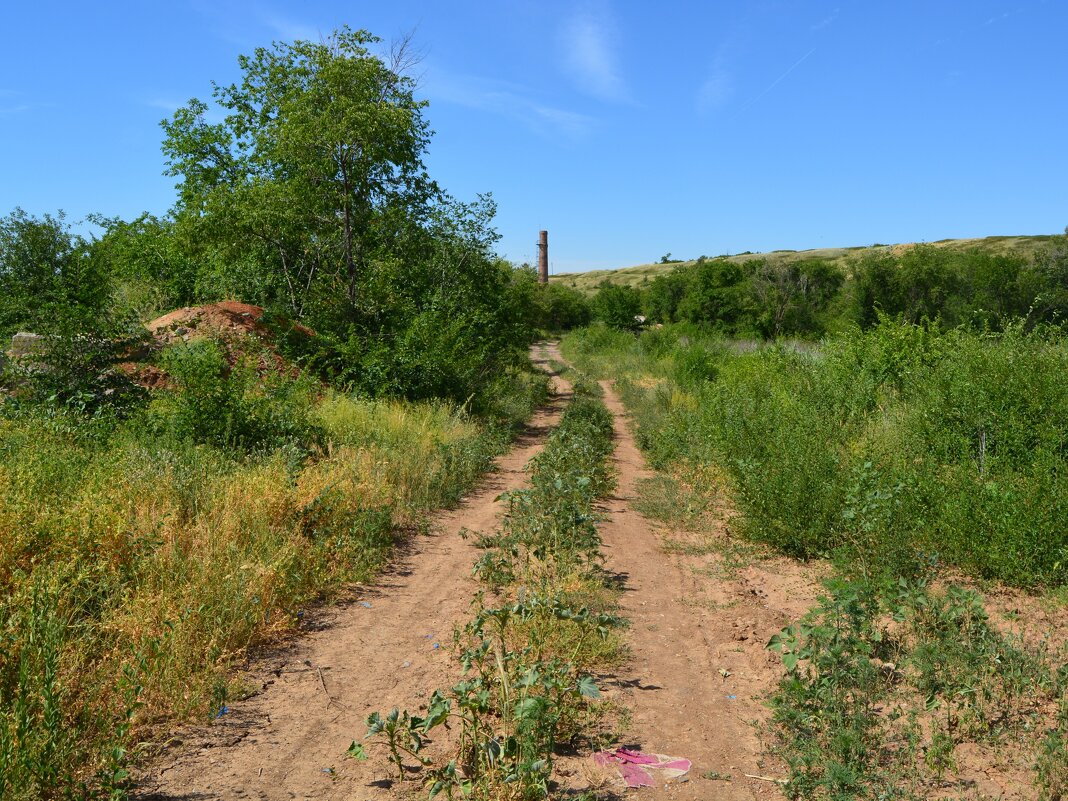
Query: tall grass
(894,450)
(894,447)
(137,562)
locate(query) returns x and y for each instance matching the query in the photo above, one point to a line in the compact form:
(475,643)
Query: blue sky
(627,129)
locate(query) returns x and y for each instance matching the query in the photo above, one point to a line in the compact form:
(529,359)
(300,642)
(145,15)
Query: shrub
(618,307)
(77,369)
(231,406)
(888,446)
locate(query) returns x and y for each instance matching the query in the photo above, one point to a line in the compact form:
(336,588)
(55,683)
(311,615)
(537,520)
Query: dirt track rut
(690,620)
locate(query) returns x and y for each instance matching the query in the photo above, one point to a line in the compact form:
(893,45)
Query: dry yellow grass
(156,563)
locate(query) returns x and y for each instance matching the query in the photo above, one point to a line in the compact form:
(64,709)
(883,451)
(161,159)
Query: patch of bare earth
(700,674)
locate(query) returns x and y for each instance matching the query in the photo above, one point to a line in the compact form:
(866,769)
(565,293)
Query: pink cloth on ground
(634,766)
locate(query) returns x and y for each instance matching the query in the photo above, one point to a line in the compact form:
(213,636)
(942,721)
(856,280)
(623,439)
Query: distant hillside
(642,273)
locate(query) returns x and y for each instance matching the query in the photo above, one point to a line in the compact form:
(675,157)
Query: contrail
(774,83)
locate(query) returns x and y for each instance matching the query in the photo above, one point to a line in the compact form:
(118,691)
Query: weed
(527,685)
(1052,759)
(891,450)
(944,675)
(715,776)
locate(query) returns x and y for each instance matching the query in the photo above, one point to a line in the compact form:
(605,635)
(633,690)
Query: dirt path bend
(700,674)
(389,647)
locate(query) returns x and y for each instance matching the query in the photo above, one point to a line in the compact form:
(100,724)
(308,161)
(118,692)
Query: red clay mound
(216,320)
(231,323)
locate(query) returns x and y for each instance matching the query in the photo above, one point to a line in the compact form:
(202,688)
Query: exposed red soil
(147,375)
(226,318)
(238,327)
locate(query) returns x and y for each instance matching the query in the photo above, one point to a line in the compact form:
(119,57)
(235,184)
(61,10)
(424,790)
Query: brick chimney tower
(543,257)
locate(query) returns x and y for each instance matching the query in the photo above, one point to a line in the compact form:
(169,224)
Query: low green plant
(404,736)
(1051,765)
(35,746)
(509,709)
(231,406)
(527,684)
(869,663)
(551,528)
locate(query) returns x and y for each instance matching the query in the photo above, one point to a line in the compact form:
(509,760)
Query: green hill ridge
(642,273)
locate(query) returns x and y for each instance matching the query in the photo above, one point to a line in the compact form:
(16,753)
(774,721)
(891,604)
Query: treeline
(808,298)
(310,198)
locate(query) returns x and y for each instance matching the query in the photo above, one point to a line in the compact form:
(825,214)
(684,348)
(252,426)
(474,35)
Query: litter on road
(635,767)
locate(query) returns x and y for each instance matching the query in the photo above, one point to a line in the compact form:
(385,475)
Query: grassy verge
(139,559)
(543,624)
(887,448)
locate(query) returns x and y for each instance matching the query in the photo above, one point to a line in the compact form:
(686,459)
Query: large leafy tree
(45,270)
(311,194)
(315,167)
(717,294)
(788,296)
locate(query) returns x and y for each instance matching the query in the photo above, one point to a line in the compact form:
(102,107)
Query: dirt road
(700,671)
(697,679)
(388,647)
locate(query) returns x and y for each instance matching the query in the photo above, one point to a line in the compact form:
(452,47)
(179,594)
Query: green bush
(889,447)
(618,307)
(228,406)
(561,308)
(45,270)
(77,369)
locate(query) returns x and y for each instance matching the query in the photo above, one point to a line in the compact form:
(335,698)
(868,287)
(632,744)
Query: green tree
(148,263)
(319,153)
(550,307)
(564,308)
(618,306)
(311,195)
(667,291)
(788,297)
(919,284)
(45,268)
(1044,283)
(717,294)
